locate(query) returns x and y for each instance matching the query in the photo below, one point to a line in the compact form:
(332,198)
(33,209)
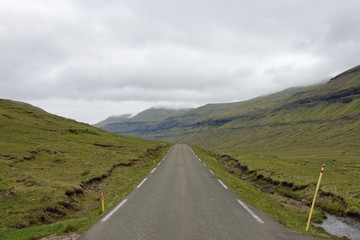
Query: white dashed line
(222,184)
(153,170)
(211,172)
(141,183)
(113,211)
(251,212)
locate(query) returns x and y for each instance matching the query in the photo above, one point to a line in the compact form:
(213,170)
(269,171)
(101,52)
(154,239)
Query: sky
(89,59)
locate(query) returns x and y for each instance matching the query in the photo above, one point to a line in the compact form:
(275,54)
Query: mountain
(334,103)
(140,122)
(113,119)
(52,171)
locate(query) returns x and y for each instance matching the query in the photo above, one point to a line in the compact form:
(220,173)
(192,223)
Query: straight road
(182,199)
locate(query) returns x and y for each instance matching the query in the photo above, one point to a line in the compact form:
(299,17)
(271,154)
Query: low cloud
(78,58)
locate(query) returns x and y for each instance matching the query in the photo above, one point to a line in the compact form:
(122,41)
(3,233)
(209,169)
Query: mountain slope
(53,169)
(136,125)
(113,119)
(337,100)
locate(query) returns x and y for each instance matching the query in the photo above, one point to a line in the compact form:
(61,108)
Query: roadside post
(102,201)
(313,203)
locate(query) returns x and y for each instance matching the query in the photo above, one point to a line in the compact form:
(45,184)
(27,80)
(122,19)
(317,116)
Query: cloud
(178,53)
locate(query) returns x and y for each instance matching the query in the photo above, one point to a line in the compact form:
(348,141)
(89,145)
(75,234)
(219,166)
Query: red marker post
(102,201)
(316,192)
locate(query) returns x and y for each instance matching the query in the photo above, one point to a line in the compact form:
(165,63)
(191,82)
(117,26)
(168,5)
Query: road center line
(153,170)
(251,212)
(113,211)
(222,184)
(141,183)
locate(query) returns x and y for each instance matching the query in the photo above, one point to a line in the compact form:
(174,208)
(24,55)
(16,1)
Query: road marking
(211,172)
(251,212)
(141,183)
(204,164)
(159,163)
(113,211)
(153,170)
(222,184)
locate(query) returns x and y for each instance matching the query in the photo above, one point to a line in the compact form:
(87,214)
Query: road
(182,199)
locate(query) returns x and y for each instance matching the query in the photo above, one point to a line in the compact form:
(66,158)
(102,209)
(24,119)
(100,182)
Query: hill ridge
(52,169)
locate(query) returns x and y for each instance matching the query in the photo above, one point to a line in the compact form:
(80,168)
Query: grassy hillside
(53,169)
(113,119)
(139,124)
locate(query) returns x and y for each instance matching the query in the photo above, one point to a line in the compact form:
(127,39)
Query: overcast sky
(89,59)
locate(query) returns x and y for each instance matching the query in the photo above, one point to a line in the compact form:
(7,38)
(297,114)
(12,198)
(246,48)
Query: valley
(282,139)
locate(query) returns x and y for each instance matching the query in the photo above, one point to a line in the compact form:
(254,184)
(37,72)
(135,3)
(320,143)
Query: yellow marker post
(102,201)
(313,203)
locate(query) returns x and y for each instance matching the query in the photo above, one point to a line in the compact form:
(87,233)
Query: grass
(289,212)
(53,169)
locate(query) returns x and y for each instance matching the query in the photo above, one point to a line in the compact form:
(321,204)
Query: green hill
(113,119)
(53,169)
(139,124)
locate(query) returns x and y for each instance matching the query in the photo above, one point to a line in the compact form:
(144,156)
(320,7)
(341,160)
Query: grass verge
(289,212)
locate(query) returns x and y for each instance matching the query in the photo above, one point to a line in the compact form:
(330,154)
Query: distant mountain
(271,120)
(140,122)
(113,119)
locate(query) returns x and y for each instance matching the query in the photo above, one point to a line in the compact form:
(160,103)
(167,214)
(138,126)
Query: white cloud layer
(91,59)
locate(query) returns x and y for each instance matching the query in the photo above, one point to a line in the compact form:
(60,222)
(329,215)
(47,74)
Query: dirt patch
(46,215)
(106,145)
(7,194)
(21,179)
(39,150)
(234,166)
(96,183)
(69,236)
(74,192)
(7,116)
(353,212)
(82,131)
(268,189)
(59,160)
(85,173)
(333,198)
(152,152)
(71,205)
(34,184)
(74,131)
(28,158)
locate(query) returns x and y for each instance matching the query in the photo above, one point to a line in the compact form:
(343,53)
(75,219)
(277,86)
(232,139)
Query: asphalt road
(182,199)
